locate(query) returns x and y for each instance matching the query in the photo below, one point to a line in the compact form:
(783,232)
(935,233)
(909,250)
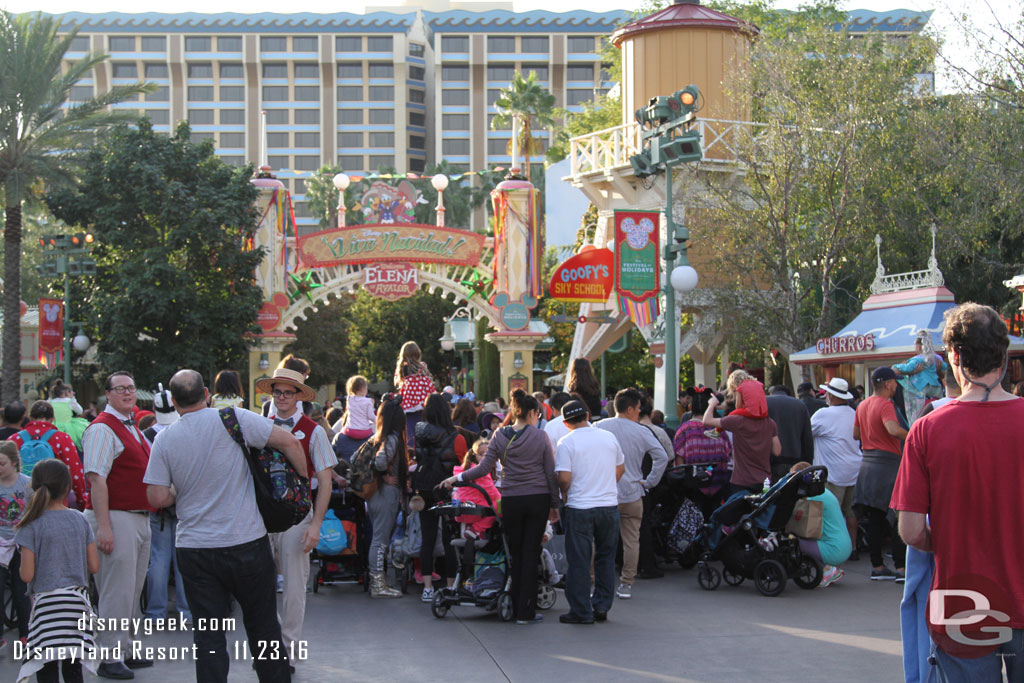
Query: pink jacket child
(475,524)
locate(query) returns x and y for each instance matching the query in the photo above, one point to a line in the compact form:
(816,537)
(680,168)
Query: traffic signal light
(80,239)
(77,268)
(681,149)
(684,102)
(47,269)
(642,164)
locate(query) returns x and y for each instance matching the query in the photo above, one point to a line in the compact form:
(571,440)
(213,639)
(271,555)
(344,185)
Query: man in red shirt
(959,493)
(63,447)
(879,432)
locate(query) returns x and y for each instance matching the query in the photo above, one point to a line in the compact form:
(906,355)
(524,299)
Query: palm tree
(526,103)
(40,141)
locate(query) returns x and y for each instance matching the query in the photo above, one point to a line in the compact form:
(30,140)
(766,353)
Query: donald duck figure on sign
(387,204)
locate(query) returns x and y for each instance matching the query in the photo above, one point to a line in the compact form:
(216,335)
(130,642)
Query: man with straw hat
(292,547)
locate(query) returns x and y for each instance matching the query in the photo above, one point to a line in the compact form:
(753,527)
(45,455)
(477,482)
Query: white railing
(722,142)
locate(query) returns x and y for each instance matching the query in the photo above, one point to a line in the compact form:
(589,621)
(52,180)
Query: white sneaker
(428,595)
(624,591)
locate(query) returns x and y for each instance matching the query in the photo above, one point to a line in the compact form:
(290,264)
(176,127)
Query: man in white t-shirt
(836,449)
(589,463)
(555,427)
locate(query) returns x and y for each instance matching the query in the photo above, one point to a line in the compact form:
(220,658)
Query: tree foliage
(527,105)
(175,282)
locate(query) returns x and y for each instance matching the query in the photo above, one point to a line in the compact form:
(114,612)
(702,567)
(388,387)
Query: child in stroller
(747,534)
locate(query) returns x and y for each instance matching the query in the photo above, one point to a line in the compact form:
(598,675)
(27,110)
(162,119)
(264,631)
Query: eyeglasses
(278,393)
(126,389)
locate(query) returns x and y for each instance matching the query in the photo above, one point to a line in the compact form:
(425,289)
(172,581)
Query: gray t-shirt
(636,440)
(216,505)
(58,539)
(13,503)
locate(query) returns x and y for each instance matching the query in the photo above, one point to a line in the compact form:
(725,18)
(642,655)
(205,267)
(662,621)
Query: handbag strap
(230,422)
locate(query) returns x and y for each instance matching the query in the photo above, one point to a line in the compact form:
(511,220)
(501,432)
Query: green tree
(173,226)
(41,141)
(322,339)
(527,105)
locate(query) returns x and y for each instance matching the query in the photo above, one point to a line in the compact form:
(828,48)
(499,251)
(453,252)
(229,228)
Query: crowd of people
(138,497)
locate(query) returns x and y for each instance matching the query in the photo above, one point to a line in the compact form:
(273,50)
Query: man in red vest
(116,456)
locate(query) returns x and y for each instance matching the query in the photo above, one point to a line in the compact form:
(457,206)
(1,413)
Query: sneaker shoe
(537,618)
(883,574)
(901,576)
(280,584)
(624,591)
(428,595)
(831,576)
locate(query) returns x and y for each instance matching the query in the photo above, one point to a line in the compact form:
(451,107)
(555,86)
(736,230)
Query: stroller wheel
(546,596)
(731,577)
(688,558)
(809,573)
(439,608)
(505,606)
(770,577)
(709,578)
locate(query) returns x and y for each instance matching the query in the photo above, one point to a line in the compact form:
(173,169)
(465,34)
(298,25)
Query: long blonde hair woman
(412,378)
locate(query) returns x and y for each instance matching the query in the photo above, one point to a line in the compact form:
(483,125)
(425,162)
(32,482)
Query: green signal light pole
(67,255)
(669,141)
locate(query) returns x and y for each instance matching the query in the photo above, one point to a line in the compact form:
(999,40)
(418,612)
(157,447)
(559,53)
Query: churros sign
(390,242)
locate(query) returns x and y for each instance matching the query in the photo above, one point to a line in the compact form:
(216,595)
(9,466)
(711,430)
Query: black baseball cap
(882,374)
(574,410)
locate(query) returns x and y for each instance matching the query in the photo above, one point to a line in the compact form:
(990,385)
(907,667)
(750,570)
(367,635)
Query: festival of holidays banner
(51,331)
(402,242)
(637,272)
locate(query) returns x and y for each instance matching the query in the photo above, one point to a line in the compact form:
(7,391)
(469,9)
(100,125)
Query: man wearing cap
(589,463)
(880,434)
(794,429)
(292,547)
(836,449)
(805,392)
(163,524)
(116,456)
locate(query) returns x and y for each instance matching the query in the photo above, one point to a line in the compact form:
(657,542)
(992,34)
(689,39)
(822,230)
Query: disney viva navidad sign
(401,242)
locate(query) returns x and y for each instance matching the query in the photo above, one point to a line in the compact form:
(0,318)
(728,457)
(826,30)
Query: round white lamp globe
(341,181)
(440,182)
(684,279)
(81,342)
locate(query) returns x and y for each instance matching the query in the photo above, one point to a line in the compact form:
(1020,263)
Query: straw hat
(289,377)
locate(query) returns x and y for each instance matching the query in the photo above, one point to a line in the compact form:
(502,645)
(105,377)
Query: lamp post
(341,182)
(440,183)
(66,255)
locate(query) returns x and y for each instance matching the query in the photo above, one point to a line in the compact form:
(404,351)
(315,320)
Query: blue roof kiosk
(883,333)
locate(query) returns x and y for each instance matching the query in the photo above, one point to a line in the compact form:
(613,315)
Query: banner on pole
(637,272)
(51,331)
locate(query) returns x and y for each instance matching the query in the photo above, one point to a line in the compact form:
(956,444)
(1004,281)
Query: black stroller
(678,484)
(747,534)
(352,565)
(497,596)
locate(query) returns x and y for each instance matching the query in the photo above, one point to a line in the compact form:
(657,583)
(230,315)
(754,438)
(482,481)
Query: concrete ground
(670,630)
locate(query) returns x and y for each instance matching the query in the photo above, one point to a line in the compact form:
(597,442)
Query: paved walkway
(671,630)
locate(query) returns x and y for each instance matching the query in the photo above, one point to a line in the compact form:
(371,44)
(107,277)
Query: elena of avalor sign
(637,276)
(391,281)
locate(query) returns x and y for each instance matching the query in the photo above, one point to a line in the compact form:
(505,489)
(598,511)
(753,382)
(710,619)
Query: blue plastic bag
(333,538)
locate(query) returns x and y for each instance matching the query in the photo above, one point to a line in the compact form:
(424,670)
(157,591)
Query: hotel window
(350,162)
(154,44)
(195,136)
(156,70)
(232,116)
(232,160)
(307,116)
(417,118)
(455,146)
(417,165)
(348,44)
(379,44)
(232,93)
(300,186)
(417,142)
(491,126)
(455,121)
(497,147)
(350,140)
(307,162)
(350,116)
(277,140)
(350,70)
(454,97)
(455,73)
(500,73)
(161,94)
(379,116)
(301,209)
(540,69)
(200,70)
(125,70)
(275,93)
(306,70)
(382,139)
(382,93)
(379,161)
(197,44)
(417,73)
(200,117)
(273,44)
(580,72)
(231,71)
(235,140)
(121,43)
(80,44)
(492,95)
(275,70)
(304,44)
(578,44)
(455,44)
(350,93)
(417,95)
(159,116)
(307,139)
(307,93)
(278,161)
(534,44)
(500,44)
(229,44)
(382,70)
(578,96)
(277,117)
(416,49)
(200,93)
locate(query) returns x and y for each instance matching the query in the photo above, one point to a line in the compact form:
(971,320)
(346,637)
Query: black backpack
(362,478)
(282,494)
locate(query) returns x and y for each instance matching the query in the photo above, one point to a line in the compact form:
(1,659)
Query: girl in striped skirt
(58,552)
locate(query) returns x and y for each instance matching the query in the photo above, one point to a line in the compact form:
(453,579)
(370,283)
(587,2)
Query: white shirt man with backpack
(222,544)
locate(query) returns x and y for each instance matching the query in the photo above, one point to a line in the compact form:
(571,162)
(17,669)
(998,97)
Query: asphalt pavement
(670,630)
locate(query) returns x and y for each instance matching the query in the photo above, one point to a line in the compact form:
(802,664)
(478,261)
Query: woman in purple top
(694,445)
(529,496)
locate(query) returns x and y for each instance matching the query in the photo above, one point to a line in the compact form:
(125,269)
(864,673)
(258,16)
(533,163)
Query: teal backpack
(34,450)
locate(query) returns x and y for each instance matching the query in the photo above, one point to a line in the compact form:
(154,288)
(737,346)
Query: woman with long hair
(413,381)
(439,448)
(529,496)
(582,381)
(227,390)
(390,464)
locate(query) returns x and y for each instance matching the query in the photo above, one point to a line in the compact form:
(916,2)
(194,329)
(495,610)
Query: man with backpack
(223,548)
(40,440)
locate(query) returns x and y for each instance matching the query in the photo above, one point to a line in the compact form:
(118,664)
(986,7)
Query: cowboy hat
(289,377)
(838,387)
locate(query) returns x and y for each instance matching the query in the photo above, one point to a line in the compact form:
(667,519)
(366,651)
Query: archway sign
(497,277)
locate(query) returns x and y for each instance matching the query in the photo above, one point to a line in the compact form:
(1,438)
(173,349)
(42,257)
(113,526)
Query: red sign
(637,272)
(585,277)
(269,317)
(846,344)
(391,281)
(51,326)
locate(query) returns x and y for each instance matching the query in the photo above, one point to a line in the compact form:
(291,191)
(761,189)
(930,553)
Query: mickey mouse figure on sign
(515,315)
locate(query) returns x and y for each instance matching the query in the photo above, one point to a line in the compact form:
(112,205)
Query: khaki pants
(121,576)
(294,566)
(630,515)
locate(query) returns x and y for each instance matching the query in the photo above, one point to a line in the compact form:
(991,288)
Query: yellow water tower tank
(682,44)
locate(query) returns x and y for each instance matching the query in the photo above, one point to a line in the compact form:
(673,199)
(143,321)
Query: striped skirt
(54,633)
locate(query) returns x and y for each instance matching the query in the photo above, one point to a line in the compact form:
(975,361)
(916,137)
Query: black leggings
(72,672)
(878,528)
(428,523)
(525,518)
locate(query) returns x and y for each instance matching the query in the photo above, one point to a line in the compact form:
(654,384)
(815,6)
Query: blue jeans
(161,558)
(988,669)
(594,529)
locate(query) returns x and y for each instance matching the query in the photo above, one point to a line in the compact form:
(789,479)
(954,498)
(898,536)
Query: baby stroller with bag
(482,579)
(351,564)
(677,504)
(747,534)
